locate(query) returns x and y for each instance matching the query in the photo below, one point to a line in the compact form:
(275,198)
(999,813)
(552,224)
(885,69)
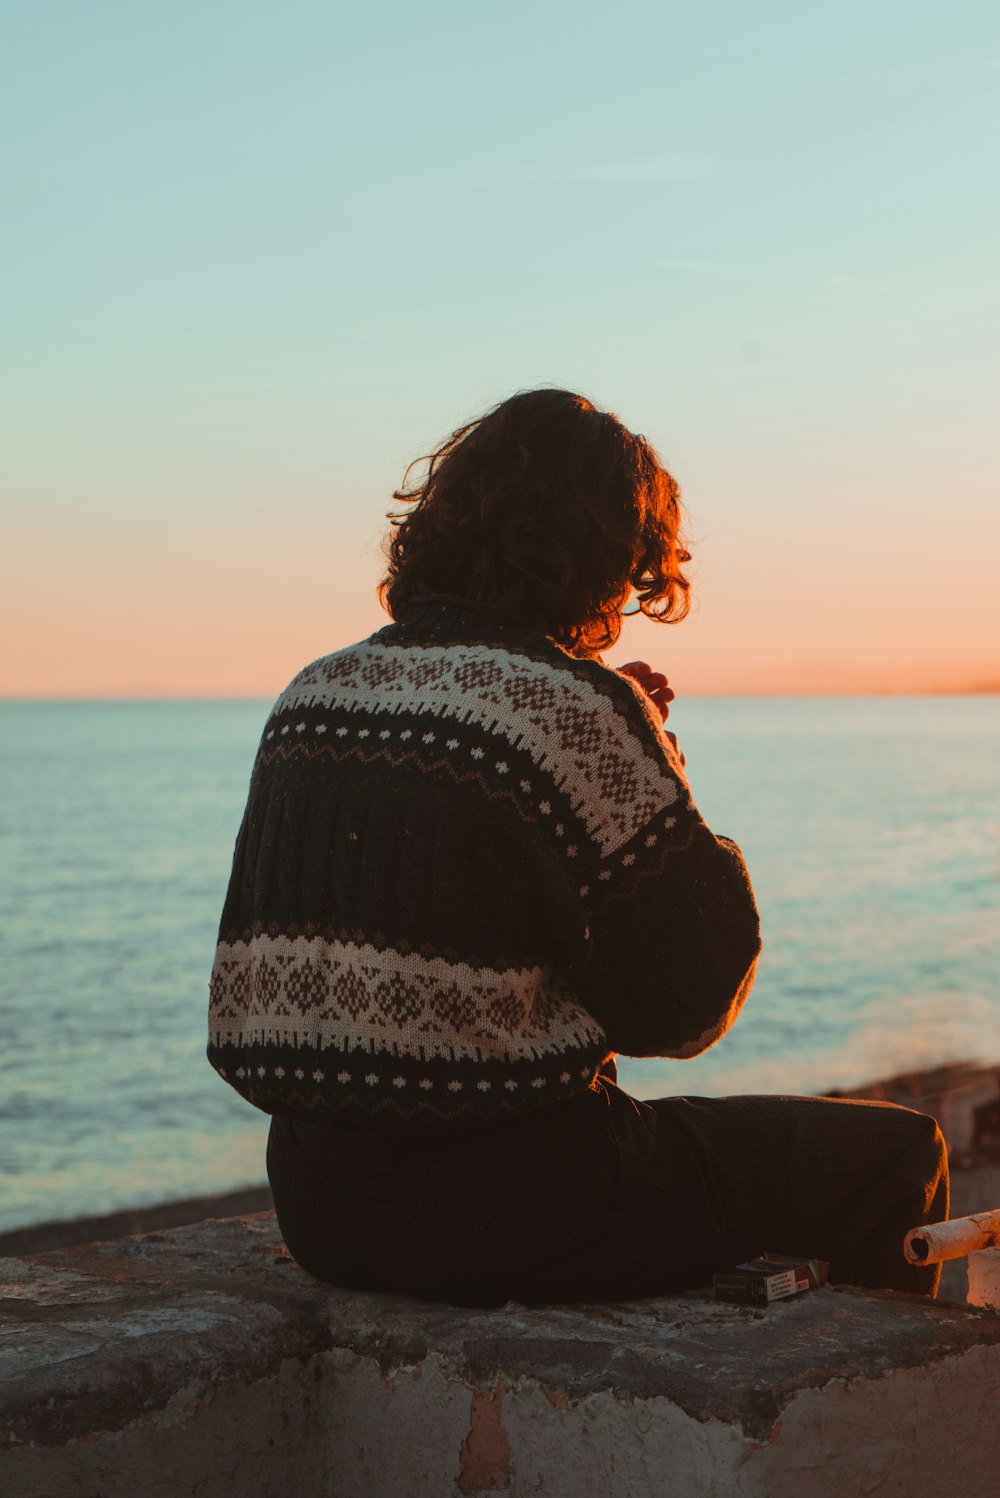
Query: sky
(257,258)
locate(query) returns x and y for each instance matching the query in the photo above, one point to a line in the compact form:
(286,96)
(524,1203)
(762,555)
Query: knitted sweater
(470,867)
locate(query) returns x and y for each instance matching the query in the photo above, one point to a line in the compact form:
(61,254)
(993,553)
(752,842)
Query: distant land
(843,679)
(691,677)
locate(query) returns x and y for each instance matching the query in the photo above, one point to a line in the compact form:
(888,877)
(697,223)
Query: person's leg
(707,1183)
(825,1178)
(610,1198)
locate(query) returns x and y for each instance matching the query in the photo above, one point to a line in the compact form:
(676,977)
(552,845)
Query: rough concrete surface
(203,1361)
(41,1237)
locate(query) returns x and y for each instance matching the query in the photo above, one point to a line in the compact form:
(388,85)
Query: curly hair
(548,512)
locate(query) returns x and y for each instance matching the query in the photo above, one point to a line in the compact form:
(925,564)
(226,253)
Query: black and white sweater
(470,867)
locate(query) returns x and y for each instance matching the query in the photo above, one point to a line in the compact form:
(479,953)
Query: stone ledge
(203,1359)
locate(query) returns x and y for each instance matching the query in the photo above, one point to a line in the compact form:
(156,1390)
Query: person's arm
(671,965)
(672,957)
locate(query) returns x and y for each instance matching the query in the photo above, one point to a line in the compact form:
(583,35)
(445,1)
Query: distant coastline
(845,679)
(987,689)
(689,688)
(693,673)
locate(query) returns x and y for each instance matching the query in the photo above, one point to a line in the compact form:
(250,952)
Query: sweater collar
(450,614)
(435,611)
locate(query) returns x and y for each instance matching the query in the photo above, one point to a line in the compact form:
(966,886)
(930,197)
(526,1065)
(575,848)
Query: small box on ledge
(771,1277)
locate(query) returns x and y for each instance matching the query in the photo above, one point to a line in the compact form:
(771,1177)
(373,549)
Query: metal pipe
(936,1241)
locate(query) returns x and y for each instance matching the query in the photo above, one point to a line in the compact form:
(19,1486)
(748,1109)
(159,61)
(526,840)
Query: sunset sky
(257,257)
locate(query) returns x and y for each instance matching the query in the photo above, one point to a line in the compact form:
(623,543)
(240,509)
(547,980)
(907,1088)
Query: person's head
(548,512)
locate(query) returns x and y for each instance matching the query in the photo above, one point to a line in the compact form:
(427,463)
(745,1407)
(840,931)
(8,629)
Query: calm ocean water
(871,828)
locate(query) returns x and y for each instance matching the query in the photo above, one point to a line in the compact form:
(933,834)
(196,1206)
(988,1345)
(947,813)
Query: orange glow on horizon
(219,609)
(248,650)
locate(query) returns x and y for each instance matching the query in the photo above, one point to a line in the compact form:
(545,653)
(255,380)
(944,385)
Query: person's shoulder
(527,670)
(315,679)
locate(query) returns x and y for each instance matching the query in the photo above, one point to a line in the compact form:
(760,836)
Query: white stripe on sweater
(616,783)
(307,991)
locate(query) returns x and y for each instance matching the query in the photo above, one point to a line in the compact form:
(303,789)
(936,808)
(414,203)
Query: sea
(871,827)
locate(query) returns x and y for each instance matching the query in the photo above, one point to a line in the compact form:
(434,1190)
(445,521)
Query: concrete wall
(203,1361)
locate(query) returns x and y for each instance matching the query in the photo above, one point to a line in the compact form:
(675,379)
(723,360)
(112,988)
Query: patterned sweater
(470,867)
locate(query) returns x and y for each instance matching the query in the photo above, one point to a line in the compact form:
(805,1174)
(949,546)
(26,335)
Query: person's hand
(653,683)
(680,752)
(659,692)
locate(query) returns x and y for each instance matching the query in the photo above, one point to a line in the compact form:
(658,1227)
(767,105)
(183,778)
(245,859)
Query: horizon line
(989,689)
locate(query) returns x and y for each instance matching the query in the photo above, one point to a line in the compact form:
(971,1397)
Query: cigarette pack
(771,1277)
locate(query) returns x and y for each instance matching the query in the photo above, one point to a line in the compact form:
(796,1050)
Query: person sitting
(470,872)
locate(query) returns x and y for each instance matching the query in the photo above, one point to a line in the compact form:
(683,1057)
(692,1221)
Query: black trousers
(605,1197)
